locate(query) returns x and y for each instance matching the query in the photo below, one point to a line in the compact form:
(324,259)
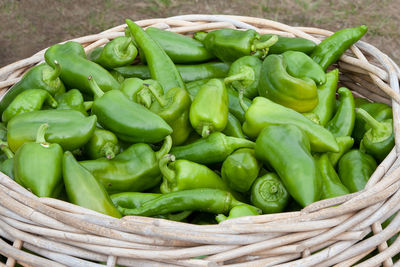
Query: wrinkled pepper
(117,53)
(342,123)
(286,148)
(161,67)
(39,77)
(231,44)
(209,109)
(244,74)
(38,166)
(378,141)
(26,101)
(75,67)
(239,211)
(205,199)
(72,99)
(69,128)
(289,44)
(333,47)
(84,190)
(264,112)
(128,120)
(345,143)
(331,184)
(103,143)
(326,97)
(240,169)
(269,194)
(134,169)
(213,149)
(355,168)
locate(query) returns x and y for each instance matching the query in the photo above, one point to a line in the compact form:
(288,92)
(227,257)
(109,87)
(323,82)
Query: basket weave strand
(331,232)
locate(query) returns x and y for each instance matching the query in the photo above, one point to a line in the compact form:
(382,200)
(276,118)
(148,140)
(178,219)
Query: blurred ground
(27,26)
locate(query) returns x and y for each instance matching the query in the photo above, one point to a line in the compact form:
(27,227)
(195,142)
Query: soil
(27,26)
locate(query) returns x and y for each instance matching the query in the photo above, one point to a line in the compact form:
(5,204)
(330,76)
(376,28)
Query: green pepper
(244,74)
(69,128)
(345,143)
(3,132)
(83,189)
(234,107)
(269,194)
(180,48)
(333,47)
(161,67)
(38,166)
(134,169)
(240,169)
(189,73)
(264,112)
(117,76)
(128,120)
(331,184)
(286,148)
(26,101)
(378,141)
(359,101)
(102,144)
(289,44)
(239,211)
(174,108)
(213,149)
(7,166)
(285,87)
(137,90)
(75,68)
(136,199)
(326,97)
(378,111)
(231,44)
(116,53)
(201,199)
(355,168)
(209,109)
(72,99)
(233,127)
(182,174)
(342,123)
(39,77)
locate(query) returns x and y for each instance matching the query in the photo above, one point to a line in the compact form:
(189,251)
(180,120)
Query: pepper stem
(165,148)
(247,73)
(124,45)
(51,101)
(56,72)
(95,88)
(374,124)
(41,133)
(205,131)
(161,100)
(87,105)
(200,36)
(108,150)
(241,101)
(4,147)
(257,45)
(167,173)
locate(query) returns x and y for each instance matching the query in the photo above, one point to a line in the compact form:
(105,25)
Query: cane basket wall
(332,232)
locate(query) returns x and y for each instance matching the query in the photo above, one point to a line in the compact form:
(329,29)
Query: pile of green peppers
(229,123)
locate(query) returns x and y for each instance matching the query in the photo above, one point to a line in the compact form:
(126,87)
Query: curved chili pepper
(331,184)
(269,194)
(204,199)
(209,109)
(287,149)
(342,123)
(102,144)
(326,97)
(233,127)
(39,77)
(345,143)
(212,149)
(72,99)
(378,141)
(75,67)
(118,52)
(26,101)
(239,211)
(161,67)
(83,189)
(289,44)
(38,166)
(355,168)
(332,48)
(240,169)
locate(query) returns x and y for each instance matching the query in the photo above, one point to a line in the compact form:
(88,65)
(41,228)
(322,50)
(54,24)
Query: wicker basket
(338,231)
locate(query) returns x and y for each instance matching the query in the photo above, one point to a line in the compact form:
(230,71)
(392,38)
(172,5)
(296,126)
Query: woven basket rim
(63,233)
